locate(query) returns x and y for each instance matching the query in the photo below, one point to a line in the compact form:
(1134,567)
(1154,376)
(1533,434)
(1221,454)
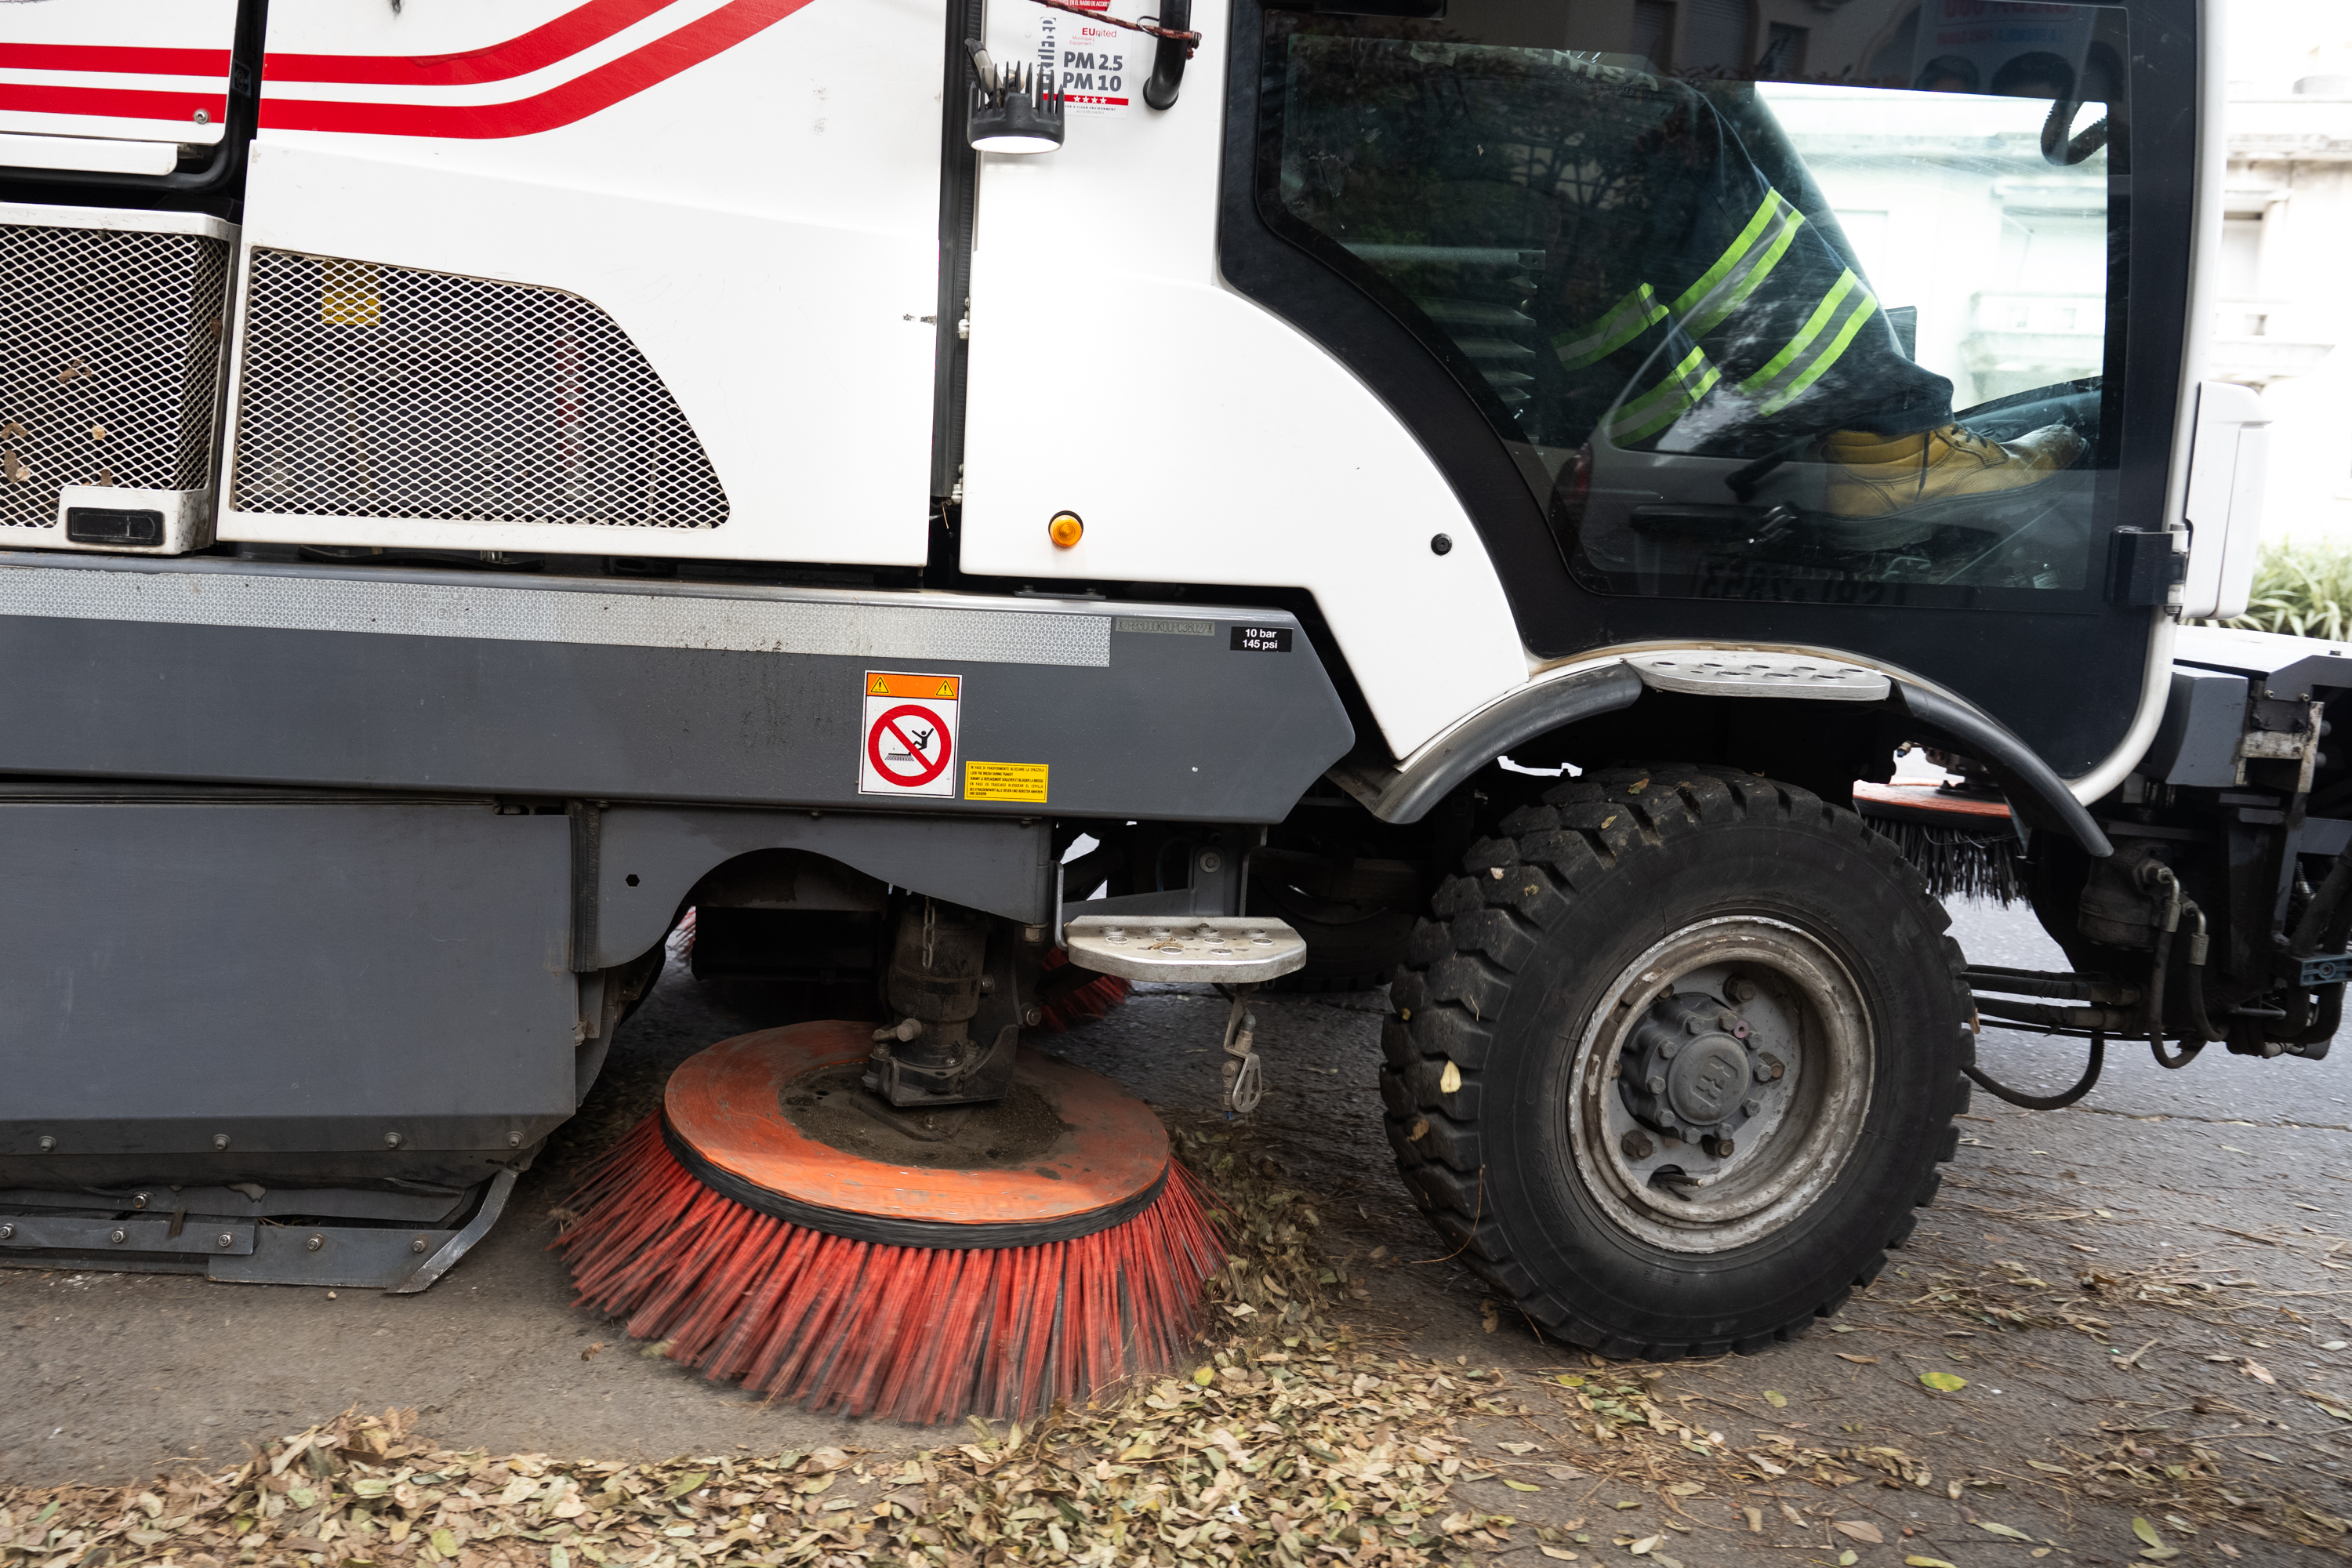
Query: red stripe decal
(115,102)
(573,101)
(107,57)
(581,29)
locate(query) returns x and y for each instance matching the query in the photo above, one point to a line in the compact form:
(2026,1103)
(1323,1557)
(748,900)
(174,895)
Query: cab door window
(1821,313)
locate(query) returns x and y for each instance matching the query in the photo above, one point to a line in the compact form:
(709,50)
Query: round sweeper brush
(776,1222)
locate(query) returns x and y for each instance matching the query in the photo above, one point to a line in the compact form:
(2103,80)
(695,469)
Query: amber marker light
(1065,530)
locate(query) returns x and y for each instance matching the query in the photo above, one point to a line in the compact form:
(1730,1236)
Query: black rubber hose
(2047,1101)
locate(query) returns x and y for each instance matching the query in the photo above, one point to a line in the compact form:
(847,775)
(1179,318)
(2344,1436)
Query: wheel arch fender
(1405,792)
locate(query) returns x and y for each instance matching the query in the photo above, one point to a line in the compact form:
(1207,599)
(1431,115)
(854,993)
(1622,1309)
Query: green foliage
(2303,587)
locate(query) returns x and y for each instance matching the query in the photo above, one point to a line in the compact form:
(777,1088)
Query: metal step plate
(1227,949)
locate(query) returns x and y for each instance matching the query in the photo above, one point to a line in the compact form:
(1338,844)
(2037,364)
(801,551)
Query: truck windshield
(1762,314)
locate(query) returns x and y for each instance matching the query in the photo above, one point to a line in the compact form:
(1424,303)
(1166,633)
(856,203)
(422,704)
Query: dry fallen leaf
(1755,1520)
(2258,1371)
(2004,1530)
(596,1349)
(1450,1080)
(1776,1399)
(1860,1529)
(1858,1359)
(1944,1381)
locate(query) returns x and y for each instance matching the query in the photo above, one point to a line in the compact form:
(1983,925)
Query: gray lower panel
(317,676)
(285,994)
(651,856)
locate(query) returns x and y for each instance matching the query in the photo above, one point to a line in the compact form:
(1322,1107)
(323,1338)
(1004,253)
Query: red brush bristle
(1085,1004)
(915,1333)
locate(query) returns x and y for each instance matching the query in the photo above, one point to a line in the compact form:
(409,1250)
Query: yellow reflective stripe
(1864,307)
(1710,311)
(1766,211)
(1628,319)
(1663,403)
(1780,361)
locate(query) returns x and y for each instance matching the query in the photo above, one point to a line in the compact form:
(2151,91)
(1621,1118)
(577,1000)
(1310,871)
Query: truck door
(622,277)
(1860,329)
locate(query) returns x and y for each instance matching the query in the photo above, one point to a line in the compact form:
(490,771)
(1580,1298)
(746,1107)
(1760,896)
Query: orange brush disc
(777,1223)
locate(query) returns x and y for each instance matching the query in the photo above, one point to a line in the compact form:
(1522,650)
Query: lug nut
(1637,1146)
(1751,1109)
(1670,1049)
(1739,990)
(1718,1148)
(1769,1067)
(1657,1085)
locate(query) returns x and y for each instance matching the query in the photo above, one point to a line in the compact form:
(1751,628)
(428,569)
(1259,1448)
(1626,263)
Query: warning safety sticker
(909,737)
(1005,781)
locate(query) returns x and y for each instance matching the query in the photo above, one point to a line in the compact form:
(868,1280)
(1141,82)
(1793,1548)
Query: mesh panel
(110,363)
(377,391)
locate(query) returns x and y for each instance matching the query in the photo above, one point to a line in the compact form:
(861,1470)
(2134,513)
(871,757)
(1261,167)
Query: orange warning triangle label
(880,685)
(946,689)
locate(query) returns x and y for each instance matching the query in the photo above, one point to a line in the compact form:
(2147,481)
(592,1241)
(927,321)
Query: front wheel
(1677,1059)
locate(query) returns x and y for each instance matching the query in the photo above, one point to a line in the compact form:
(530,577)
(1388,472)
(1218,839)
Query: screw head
(514,1139)
(417,1246)
(44,1143)
(203,117)
(312,1242)
(1442,544)
(1212,862)
(1032,1016)
(220,1140)
(118,1237)
(392,1140)
(7,1233)
(138,1200)
(224,1239)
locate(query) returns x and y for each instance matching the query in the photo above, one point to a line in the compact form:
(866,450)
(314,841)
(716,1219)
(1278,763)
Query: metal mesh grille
(110,363)
(381,392)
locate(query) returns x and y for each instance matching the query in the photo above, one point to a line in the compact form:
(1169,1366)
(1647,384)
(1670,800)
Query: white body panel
(1200,437)
(763,224)
(137,70)
(2228,461)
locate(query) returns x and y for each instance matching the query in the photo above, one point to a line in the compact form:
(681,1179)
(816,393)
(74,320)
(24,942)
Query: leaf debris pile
(1289,1440)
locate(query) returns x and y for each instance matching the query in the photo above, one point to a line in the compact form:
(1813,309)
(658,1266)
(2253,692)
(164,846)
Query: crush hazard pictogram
(908,742)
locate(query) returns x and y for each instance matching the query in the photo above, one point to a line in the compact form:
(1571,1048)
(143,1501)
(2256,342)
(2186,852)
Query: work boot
(1875,476)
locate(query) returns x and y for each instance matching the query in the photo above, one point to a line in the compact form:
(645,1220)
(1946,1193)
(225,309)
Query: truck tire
(1632,913)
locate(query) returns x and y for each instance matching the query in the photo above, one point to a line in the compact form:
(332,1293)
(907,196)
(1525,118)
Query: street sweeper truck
(970,499)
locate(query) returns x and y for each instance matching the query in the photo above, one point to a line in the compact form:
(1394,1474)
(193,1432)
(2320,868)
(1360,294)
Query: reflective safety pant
(1701,311)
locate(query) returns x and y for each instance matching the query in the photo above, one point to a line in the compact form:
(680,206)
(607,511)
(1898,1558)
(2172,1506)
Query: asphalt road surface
(2232,1178)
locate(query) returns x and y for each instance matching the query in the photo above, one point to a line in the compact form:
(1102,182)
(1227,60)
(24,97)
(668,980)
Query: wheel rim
(1802,1012)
